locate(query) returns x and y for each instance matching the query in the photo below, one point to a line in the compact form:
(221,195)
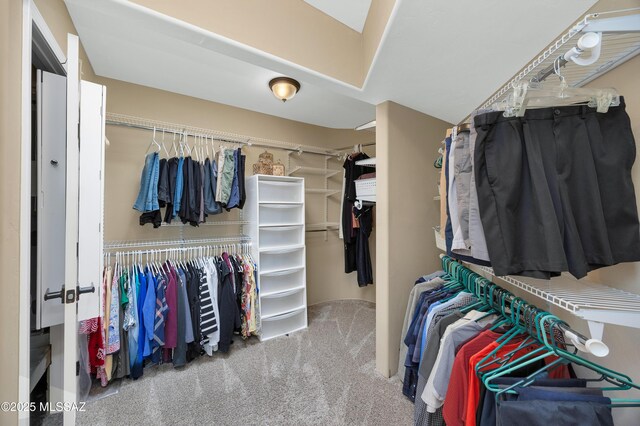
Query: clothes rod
(178,129)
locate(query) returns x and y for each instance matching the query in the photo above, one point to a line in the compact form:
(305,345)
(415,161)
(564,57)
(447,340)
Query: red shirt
(473,396)
(455,406)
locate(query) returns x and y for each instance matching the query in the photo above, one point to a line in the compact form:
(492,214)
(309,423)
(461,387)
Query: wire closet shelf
(596,303)
(620,42)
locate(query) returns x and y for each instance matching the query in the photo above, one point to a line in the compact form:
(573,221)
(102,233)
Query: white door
(52,172)
(86,106)
(71,231)
(90,221)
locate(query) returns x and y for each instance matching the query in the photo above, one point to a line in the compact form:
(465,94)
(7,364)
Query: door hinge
(78,249)
(77,368)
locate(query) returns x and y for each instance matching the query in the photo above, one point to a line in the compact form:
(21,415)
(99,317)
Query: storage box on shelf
(366,189)
(275,212)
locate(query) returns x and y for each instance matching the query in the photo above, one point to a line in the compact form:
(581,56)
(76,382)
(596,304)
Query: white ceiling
(439,57)
(444,58)
(125,42)
(352,13)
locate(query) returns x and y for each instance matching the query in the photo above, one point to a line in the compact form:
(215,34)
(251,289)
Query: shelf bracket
(596,329)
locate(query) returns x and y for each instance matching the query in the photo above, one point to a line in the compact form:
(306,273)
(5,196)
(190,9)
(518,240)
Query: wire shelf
(617,47)
(233,138)
(586,300)
(114,245)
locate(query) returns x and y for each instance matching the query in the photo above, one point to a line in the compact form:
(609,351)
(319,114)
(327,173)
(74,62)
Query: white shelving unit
(275,213)
(367,197)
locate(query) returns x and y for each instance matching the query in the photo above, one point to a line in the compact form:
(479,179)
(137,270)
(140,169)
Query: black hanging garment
(363,255)
(227,306)
(194,349)
(172,166)
(352,172)
(190,204)
(243,193)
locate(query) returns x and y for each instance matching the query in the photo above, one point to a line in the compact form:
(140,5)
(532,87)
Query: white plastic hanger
(164,147)
(531,95)
(153,142)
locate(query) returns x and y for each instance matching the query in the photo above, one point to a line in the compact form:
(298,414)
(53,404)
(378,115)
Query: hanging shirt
(180,352)
(226,304)
(132,318)
(158,328)
(136,370)
(208,315)
(213,336)
(113,335)
(184,308)
(193,292)
(171,314)
(149,311)
(438,381)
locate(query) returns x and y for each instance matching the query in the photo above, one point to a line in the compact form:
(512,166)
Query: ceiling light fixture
(284,88)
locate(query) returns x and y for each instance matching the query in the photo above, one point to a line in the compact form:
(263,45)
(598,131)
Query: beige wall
(10,134)
(407,144)
(125,156)
(624,342)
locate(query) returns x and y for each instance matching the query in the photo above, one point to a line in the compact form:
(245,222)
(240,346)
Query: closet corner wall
(406,212)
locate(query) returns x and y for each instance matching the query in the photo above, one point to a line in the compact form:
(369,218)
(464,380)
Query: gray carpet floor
(324,375)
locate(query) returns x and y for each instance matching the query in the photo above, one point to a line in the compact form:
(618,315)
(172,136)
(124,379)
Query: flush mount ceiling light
(284,88)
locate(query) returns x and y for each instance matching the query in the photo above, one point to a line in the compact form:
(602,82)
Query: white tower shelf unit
(275,213)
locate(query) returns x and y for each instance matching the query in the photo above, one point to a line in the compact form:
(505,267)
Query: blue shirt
(149,312)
